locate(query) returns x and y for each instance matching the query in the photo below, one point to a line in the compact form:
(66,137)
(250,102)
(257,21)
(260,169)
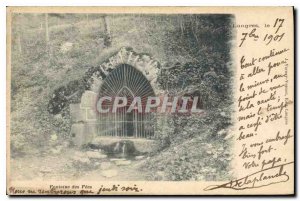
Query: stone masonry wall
(83,115)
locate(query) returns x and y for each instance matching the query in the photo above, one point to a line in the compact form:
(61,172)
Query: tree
(46,29)
(107,36)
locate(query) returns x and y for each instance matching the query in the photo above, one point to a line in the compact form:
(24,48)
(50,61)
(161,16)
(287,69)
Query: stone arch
(145,63)
(125,75)
(126,81)
(84,118)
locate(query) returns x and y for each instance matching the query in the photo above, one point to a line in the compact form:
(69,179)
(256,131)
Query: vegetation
(199,147)
(54,55)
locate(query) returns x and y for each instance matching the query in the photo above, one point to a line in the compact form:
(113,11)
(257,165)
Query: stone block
(77,133)
(105,165)
(125,162)
(91,115)
(109,173)
(95,155)
(139,157)
(146,146)
(80,134)
(91,129)
(117,159)
(77,114)
(141,145)
(88,99)
(95,87)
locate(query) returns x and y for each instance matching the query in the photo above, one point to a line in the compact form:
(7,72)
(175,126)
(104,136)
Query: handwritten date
(267,38)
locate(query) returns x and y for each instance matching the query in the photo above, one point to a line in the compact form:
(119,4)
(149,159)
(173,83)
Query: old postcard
(150,101)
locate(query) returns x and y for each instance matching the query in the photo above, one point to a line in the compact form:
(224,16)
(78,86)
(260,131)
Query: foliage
(198,148)
(194,51)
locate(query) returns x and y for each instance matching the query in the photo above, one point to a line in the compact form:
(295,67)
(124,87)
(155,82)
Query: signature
(265,177)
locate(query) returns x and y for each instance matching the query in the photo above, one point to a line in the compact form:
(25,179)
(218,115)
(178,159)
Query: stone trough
(140,145)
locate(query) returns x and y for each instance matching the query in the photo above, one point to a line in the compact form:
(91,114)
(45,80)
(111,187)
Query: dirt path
(127,172)
(61,167)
